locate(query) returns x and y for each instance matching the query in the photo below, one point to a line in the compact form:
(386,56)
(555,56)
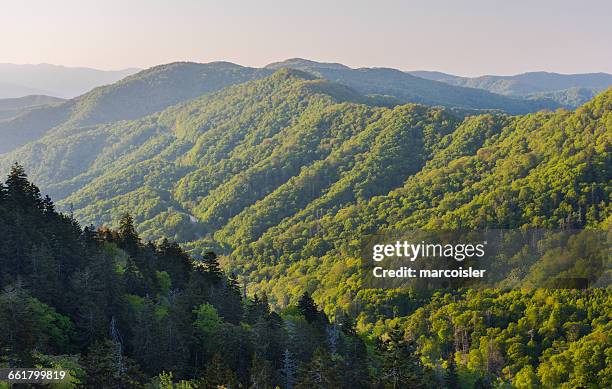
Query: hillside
(115,312)
(133,97)
(545,170)
(277,156)
(284,175)
(155,89)
(242,160)
(409,88)
(570,90)
(14,106)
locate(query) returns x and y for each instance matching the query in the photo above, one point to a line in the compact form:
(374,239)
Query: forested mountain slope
(280,151)
(133,97)
(550,170)
(408,88)
(10,108)
(115,312)
(159,87)
(570,90)
(188,170)
(285,174)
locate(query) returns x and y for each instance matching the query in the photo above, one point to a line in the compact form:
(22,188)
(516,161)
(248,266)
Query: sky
(470,37)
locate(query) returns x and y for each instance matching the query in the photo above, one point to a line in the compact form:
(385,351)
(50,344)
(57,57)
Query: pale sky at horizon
(466,38)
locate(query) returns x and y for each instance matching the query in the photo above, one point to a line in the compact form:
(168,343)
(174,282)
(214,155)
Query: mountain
(135,96)
(409,88)
(154,89)
(284,175)
(257,160)
(54,80)
(12,107)
(305,64)
(572,97)
(10,90)
(112,311)
(568,89)
(87,301)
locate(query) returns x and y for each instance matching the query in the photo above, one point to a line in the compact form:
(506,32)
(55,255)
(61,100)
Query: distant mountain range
(10,108)
(157,88)
(135,96)
(567,89)
(53,80)
(408,88)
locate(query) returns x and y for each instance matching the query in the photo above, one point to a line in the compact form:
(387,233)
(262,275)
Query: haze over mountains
(12,107)
(154,89)
(568,89)
(58,81)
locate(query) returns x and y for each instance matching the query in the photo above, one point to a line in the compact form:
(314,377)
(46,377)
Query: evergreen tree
(104,371)
(400,365)
(308,308)
(20,192)
(452,379)
(321,372)
(289,370)
(128,236)
(261,373)
(219,375)
(211,265)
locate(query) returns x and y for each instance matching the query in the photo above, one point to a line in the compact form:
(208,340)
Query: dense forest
(119,312)
(162,86)
(281,177)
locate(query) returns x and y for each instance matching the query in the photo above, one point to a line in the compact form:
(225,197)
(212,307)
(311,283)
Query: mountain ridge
(563,88)
(58,80)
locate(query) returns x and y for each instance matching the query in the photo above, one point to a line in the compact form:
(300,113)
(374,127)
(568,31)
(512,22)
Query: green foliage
(282,176)
(118,312)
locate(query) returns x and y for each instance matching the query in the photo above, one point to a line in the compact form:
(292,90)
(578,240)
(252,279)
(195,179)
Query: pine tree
(102,369)
(20,192)
(308,308)
(289,370)
(452,379)
(261,373)
(400,366)
(219,375)
(129,239)
(211,265)
(321,372)
(19,329)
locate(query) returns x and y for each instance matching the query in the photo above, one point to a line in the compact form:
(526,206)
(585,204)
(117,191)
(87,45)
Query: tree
(104,371)
(452,379)
(211,265)
(400,365)
(19,191)
(219,375)
(261,373)
(128,236)
(321,372)
(207,326)
(308,308)
(526,378)
(289,370)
